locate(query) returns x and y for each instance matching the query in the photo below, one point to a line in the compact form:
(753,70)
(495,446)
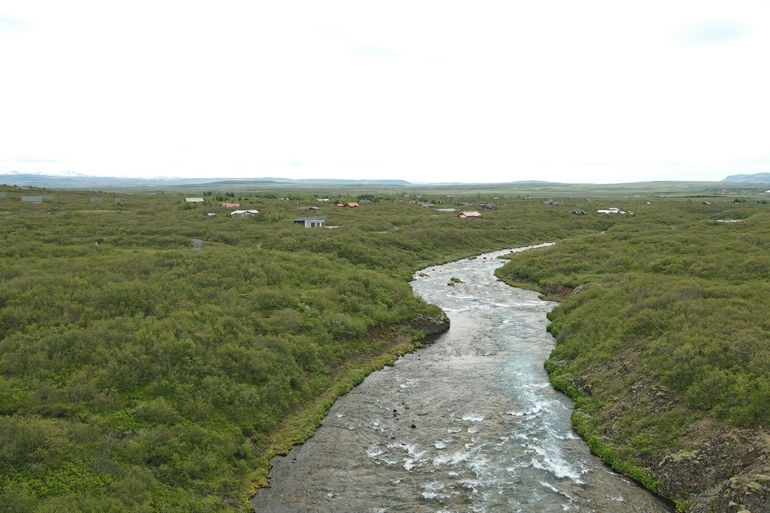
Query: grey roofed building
(244,213)
(311,222)
(578,212)
(32,199)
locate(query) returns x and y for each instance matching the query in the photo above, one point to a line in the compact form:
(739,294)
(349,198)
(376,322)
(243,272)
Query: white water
(469,423)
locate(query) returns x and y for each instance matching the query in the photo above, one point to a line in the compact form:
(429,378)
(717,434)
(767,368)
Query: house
(311,222)
(308,208)
(351,204)
(230,205)
(117,200)
(446,209)
(612,210)
(707,203)
(243,213)
(340,204)
(578,212)
(212,214)
(426,204)
(551,203)
(95,200)
(489,206)
(32,199)
(464,215)
(322,199)
(194,200)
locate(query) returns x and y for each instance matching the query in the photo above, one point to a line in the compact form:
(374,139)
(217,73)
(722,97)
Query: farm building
(311,222)
(244,213)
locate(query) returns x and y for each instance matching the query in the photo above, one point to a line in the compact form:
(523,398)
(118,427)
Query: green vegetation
(669,326)
(138,374)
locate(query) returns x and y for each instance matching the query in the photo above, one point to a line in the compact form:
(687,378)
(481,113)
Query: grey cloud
(712,32)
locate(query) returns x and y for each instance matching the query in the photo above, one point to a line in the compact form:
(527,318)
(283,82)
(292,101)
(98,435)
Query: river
(467,424)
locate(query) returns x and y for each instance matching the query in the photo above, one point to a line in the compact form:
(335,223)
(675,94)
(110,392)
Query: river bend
(467,424)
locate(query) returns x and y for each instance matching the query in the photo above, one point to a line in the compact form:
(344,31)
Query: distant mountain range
(77,181)
(84,181)
(755,178)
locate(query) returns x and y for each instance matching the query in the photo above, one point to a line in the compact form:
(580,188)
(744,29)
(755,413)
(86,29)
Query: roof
(311,218)
(230,205)
(194,200)
(469,214)
(242,212)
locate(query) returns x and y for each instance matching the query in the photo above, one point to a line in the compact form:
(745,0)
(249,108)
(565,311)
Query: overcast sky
(470,91)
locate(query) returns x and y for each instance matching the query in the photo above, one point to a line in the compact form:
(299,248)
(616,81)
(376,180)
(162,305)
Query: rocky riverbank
(708,467)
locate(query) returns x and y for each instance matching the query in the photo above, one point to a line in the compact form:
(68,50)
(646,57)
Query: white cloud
(450,91)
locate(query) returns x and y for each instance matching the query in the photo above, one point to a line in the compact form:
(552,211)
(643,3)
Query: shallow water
(469,423)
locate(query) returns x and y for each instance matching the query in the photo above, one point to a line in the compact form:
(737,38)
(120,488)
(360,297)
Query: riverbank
(296,428)
(646,431)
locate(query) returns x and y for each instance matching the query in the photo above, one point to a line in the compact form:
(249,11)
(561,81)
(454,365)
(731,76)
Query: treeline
(674,302)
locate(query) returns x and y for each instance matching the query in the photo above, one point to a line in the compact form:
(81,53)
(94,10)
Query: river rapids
(467,424)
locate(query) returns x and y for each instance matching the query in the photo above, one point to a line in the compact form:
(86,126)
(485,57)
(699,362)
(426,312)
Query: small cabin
(465,215)
(311,222)
(243,213)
